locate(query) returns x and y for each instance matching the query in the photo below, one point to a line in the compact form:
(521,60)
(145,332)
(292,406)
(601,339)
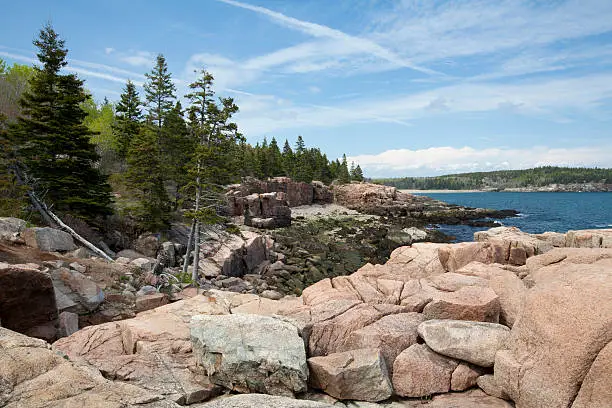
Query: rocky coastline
(347,304)
(511,319)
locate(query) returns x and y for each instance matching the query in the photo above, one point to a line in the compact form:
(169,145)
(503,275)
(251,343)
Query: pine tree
(53,145)
(159,92)
(142,177)
(129,118)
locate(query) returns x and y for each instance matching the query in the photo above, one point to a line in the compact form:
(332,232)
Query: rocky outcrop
(33,375)
(267,210)
(564,324)
(248,353)
(598,238)
(294,192)
(27,301)
(48,239)
(352,375)
(388,201)
(233,255)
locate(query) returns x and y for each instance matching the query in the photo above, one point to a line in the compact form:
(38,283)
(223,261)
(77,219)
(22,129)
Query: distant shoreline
(441,191)
(492,191)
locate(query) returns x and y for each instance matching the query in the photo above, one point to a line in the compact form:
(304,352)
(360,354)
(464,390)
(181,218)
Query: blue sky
(402,87)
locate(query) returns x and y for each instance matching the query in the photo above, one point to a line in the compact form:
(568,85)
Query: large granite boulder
(147,244)
(27,301)
(249,353)
(354,375)
(75,292)
(474,342)
(418,372)
(10,228)
(564,325)
(48,239)
(468,303)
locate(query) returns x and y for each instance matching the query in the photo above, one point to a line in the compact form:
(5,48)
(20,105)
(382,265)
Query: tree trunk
(189,245)
(196,257)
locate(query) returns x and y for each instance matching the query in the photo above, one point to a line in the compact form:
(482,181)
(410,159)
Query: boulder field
(512,319)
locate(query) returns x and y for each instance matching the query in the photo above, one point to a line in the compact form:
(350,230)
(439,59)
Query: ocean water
(539,212)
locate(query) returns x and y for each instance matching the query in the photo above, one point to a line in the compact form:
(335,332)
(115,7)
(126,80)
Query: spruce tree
(159,92)
(357,174)
(288,159)
(275,159)
(151,209)
(53,145)
(177,147)
(216,160)
(129,118)
(343,171)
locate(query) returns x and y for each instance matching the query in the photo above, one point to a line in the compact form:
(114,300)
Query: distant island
(548,179)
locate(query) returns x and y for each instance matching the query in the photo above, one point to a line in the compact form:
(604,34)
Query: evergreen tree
(129,118)
(53,145)
(216,160)
(159,92)
(343,171)
(288,159)
(142,177)
(177,147)
(275,159)
(357,173)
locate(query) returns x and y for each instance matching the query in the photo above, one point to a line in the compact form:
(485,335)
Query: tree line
(146,156)
(536,177)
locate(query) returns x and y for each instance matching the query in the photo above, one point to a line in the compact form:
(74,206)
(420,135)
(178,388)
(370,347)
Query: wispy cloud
(551,98)
(444,160)
(349,42)
(85,68)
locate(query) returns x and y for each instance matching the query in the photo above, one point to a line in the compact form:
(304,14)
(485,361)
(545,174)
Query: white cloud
(85,68)
(349,43)
(109,50)
(445,160)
